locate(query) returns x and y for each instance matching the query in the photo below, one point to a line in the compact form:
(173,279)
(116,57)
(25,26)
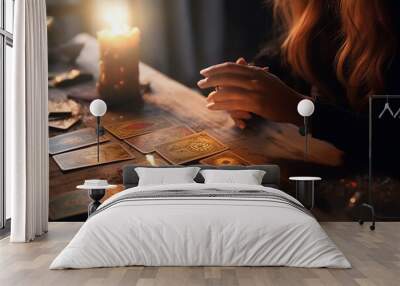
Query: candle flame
(116,17)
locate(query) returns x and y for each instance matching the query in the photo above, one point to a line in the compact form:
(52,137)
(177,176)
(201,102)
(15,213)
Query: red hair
(369,41)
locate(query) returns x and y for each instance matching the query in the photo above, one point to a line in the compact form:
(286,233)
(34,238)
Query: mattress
(201,225)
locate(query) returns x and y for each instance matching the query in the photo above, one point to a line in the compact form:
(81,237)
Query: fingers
(229,80)
(241,61)
(234,99)
(239,123)
(241,67)
(239,74)
(239,118)
(238,114)
(231,106)
(230,94)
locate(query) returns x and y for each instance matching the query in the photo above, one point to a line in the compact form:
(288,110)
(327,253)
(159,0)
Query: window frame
(6,39)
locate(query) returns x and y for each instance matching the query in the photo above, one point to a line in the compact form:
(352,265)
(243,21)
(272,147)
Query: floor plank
(375,257)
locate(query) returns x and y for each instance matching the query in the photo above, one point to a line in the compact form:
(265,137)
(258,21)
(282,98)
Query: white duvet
(200,231)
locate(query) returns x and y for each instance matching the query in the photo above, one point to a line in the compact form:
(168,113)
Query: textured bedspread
(197,224)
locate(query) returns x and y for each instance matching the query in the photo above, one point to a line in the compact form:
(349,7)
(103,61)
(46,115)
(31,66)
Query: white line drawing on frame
(387,108)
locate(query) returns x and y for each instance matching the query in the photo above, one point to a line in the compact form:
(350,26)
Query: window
(6,43)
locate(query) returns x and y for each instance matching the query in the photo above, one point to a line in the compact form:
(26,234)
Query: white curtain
(26,147)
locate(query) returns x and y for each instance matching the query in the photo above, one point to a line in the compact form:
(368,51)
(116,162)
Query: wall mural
(150,119)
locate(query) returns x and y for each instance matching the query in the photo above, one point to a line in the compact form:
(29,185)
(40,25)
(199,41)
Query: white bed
(267,229)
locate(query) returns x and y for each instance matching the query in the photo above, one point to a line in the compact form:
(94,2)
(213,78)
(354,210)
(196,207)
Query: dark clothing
(335,121)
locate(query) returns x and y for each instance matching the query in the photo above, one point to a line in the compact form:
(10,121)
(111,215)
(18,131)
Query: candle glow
(116,17)
(119,57)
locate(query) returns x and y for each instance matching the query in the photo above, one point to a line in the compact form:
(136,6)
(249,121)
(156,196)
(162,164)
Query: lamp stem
(306,139)
(98,138)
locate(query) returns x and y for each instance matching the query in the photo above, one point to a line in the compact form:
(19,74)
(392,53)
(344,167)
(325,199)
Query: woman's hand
(242,89)
(239,117)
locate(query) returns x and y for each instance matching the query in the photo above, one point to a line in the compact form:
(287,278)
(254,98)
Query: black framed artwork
(384,155)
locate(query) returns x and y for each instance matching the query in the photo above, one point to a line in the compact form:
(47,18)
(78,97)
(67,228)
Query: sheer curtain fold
(26,124)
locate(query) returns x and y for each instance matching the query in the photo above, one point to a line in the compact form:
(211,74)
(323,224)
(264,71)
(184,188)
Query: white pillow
(165,176)
(247,177)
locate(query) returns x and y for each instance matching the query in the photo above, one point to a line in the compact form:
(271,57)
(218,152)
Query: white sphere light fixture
(98,107)
(305,108)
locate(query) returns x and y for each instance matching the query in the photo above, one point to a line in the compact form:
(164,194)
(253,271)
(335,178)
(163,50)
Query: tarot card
(109,152)
(69,78)
(74,140)
(59,116)
(63,114)
(62,106)
(190,148)
(224,159)
(68,106)
(134,127)
(64,124)
(146,143)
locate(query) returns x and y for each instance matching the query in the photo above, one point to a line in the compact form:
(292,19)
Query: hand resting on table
(242,89)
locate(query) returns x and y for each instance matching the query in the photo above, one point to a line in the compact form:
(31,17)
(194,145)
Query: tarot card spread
(74,140)
(224,159)
(146,143)
(109,152)
(190,148)
(134,127)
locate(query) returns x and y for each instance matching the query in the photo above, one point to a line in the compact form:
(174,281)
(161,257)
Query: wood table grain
(262,142)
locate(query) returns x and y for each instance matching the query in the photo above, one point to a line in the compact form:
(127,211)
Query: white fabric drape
(26,124)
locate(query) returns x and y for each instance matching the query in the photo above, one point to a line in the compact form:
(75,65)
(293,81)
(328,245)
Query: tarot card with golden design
(190,148)
(146,143)
(74,140)
(109,152)
(134,127)
(227,158)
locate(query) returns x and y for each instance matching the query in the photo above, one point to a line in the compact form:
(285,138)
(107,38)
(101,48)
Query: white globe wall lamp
(98,108)
(306,108)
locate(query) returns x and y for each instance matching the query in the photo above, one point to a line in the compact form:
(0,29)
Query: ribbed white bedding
(206,230)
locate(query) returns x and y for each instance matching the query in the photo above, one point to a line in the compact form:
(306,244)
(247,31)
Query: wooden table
(262,143)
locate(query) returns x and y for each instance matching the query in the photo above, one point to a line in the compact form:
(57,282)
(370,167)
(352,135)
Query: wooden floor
(375,257)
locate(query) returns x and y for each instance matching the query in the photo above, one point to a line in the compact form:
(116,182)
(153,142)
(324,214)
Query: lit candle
(118,82)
